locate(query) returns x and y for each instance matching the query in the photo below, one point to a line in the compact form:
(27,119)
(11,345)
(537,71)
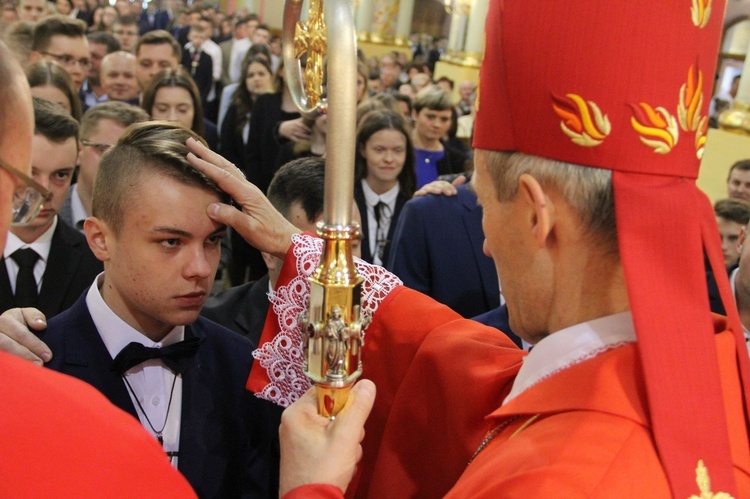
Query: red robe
(441,381)
(60,437)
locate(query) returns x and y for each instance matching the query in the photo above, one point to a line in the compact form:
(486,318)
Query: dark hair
(54,26)
(259,50)
(152,146)
(105,39)
(241,98)
(301,180)
(386,119)
(126,21)
(743,165)
(43,73)
(175,77)
(263,26)
(405,99)
(159,37)
(733,210)
(20,37)
(53,122)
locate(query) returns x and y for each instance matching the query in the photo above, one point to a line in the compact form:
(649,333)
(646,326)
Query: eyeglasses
(69,61)
(100,148)
(28,197)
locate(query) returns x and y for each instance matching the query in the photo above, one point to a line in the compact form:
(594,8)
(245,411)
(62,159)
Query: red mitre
(625,86)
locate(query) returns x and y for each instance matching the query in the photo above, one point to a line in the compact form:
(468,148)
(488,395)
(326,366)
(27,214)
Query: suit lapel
(87,358)
(197,405)
(251,315)
(359,198)
(62,265)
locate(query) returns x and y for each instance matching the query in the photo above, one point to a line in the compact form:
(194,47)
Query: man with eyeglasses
(46,263)
(101,127)
(51,436)
(63,40)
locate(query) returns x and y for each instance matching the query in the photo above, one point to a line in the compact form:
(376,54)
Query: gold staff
(333,322)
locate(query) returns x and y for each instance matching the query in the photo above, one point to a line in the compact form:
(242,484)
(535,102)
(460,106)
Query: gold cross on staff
(310,38)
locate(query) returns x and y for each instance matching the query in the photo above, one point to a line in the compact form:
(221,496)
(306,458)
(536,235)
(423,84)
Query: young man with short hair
(738,181)
(156,50)
(160,252)
(100,44)
(63,40)
(101,127)
(432,116)
(125,29)
(46,263)
(731,217)
(32,10)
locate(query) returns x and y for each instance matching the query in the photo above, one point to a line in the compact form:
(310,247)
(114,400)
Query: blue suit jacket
(228,440)
(437,249)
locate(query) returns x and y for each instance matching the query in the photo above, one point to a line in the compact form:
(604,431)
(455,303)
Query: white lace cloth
(571,346)
(282,357)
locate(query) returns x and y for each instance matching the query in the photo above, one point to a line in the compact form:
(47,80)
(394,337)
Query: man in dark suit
(47,263)
(437,249)
(182,376)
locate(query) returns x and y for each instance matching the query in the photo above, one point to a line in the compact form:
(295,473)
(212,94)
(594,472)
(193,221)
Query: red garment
(60,437)
(439,377)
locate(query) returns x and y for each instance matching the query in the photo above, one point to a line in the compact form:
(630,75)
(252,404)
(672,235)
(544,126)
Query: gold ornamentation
(384,19)
(704,484)
(656,127)
(701,12)
(691,100)
(700,137)
(310,38)
(582,120)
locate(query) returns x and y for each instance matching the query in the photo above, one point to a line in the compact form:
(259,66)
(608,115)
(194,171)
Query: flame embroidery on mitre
(700,137)
(582,120)
(691,100)
(701,12)
(704,484)
(657,128)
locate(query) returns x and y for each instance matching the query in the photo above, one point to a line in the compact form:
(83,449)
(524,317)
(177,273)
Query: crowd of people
(190,158)
(221,76)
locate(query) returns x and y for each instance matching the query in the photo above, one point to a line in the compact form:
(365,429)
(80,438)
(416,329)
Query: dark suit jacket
(227,435)
(242,309)
(160,21)
(437,249)
(71,269)
(203,73)
(359,198)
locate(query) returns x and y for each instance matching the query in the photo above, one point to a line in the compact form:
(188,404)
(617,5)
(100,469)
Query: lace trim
(282,357)
(588,355)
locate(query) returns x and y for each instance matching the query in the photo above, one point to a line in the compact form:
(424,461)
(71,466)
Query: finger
(229,180)
(358,406)
(34,318)
(203,152)
(460,180)
(19,340)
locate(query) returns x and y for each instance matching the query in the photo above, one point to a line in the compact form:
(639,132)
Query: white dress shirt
(151,381)
(77,210)
(372,199)
(42,247)
(570,346)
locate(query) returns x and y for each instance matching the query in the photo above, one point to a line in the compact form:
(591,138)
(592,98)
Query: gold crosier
(333,325)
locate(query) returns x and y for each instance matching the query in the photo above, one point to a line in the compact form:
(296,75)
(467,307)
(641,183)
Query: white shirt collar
(388,197)
(77,210)
(115,332)
(570,346)
(41,245)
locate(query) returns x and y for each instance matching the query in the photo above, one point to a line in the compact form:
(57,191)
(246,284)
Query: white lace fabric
(282,357)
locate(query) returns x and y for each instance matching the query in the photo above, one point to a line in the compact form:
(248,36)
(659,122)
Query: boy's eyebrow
(184,233)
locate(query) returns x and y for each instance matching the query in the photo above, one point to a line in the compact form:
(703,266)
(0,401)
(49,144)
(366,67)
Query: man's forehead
(71,44)
(741,174)
(65,153)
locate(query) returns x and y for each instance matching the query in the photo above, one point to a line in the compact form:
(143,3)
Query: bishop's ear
(541,208)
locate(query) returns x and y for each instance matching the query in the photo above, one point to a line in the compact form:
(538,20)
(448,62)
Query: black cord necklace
(158,433)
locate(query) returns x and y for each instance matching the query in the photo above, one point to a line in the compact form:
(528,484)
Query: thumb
(357,408)
(224,214)
(460,180)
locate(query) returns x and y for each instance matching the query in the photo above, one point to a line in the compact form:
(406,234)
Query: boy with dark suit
(136,335)
(46,263)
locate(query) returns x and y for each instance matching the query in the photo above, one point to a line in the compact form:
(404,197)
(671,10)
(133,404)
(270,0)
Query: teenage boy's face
(160,268)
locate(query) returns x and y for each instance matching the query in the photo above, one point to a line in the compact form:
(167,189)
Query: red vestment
(441,380)
(60,437)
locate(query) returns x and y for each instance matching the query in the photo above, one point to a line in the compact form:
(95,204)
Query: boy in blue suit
(136,335)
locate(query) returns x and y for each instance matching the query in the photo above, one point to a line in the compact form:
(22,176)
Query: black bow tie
(178,357)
